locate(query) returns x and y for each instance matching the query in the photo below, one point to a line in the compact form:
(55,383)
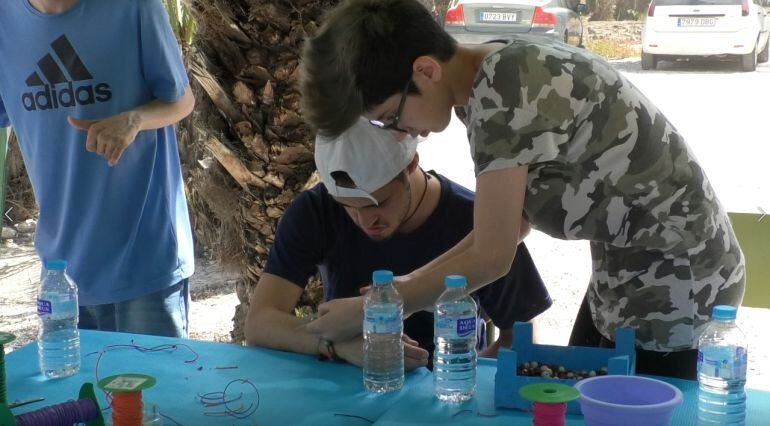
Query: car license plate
(498,17)
(696,22)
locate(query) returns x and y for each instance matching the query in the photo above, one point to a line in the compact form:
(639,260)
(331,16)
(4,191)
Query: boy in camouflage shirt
(558,136)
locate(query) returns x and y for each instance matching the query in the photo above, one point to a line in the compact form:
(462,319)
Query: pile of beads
(535,369)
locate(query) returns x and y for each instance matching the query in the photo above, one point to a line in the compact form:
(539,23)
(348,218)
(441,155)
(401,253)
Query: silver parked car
(479,21)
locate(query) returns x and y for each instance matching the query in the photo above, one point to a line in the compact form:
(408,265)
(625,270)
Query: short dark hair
(363,54)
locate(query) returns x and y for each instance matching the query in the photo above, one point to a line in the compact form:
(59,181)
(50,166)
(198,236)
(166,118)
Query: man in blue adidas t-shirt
(92,88)
(375,209)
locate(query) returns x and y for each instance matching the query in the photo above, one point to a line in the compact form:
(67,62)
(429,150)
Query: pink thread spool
(549,402)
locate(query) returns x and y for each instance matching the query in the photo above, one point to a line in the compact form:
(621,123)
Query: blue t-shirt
(124,231)
(316,234)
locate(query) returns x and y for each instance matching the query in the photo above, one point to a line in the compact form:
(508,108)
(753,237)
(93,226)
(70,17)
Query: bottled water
(454,359)
(383,328)
(58,337)
(722,359)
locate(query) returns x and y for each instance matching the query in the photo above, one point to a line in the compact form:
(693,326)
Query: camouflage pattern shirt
(606,166)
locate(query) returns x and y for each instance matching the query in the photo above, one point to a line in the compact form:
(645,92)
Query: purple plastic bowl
(627,401)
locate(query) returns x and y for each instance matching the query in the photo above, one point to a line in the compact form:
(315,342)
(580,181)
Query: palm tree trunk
(246,150)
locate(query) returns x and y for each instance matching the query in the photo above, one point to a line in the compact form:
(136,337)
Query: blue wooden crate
(620,360)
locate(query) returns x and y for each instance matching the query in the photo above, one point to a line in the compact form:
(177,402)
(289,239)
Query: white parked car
(688,28)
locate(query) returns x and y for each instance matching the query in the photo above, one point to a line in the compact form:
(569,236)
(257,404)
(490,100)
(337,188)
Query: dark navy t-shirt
(316,234)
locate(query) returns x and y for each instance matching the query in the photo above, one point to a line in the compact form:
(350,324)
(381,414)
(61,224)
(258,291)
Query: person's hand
(110,136)
(338,319)
(414,355)
(352,351)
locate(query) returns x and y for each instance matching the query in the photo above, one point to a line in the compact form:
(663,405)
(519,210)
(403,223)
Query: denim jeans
(163,313)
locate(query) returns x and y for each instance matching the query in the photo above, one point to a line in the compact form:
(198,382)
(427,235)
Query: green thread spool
(4,338)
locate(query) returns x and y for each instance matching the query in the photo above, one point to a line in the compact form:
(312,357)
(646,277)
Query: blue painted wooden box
(620,360)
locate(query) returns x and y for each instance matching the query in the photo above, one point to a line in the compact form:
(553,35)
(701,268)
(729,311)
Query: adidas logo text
(61,91)
(50,98)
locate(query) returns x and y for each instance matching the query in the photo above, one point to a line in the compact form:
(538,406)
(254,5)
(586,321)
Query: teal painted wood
(618,360)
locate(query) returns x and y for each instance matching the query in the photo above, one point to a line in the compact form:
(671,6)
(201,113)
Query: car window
(696,2)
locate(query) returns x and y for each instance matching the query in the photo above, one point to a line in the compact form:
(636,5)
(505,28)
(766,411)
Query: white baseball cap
(372,158)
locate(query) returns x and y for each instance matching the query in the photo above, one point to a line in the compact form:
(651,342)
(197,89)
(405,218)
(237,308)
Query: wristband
(330,354)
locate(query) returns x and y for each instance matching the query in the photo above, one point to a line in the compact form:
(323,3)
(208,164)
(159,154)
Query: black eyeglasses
(393,125)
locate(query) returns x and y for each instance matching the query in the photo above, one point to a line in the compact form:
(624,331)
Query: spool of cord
(4,339)
(127,408)
(126,391)
(549,402)
(545,414)
(65,414)
(83,410)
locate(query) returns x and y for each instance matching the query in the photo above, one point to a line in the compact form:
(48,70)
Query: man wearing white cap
(375,209)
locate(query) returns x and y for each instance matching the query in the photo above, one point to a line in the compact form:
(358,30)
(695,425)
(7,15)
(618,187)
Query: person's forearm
(524,229)
(156,114)
(503,341)
(479,268)
(486,253)
(279,330)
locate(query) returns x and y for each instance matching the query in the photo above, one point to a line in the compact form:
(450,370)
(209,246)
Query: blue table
(293,389)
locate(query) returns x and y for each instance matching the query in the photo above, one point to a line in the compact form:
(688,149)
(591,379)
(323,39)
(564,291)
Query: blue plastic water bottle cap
(455,281)
(382,276)
(56,265)
(724,312)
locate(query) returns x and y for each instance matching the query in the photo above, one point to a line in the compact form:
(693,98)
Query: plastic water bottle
(722,361)
(58,340)
(383,328)
(454,359)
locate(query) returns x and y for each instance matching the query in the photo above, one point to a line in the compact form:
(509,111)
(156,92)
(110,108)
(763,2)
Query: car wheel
(764,55)
(749,61)
(649,61)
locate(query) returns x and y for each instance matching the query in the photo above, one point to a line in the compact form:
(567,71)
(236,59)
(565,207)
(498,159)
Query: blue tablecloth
(293,389)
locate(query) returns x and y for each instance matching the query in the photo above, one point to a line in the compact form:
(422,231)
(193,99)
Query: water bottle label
(726,364)
(376,322)
(44,307)
(455,327)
